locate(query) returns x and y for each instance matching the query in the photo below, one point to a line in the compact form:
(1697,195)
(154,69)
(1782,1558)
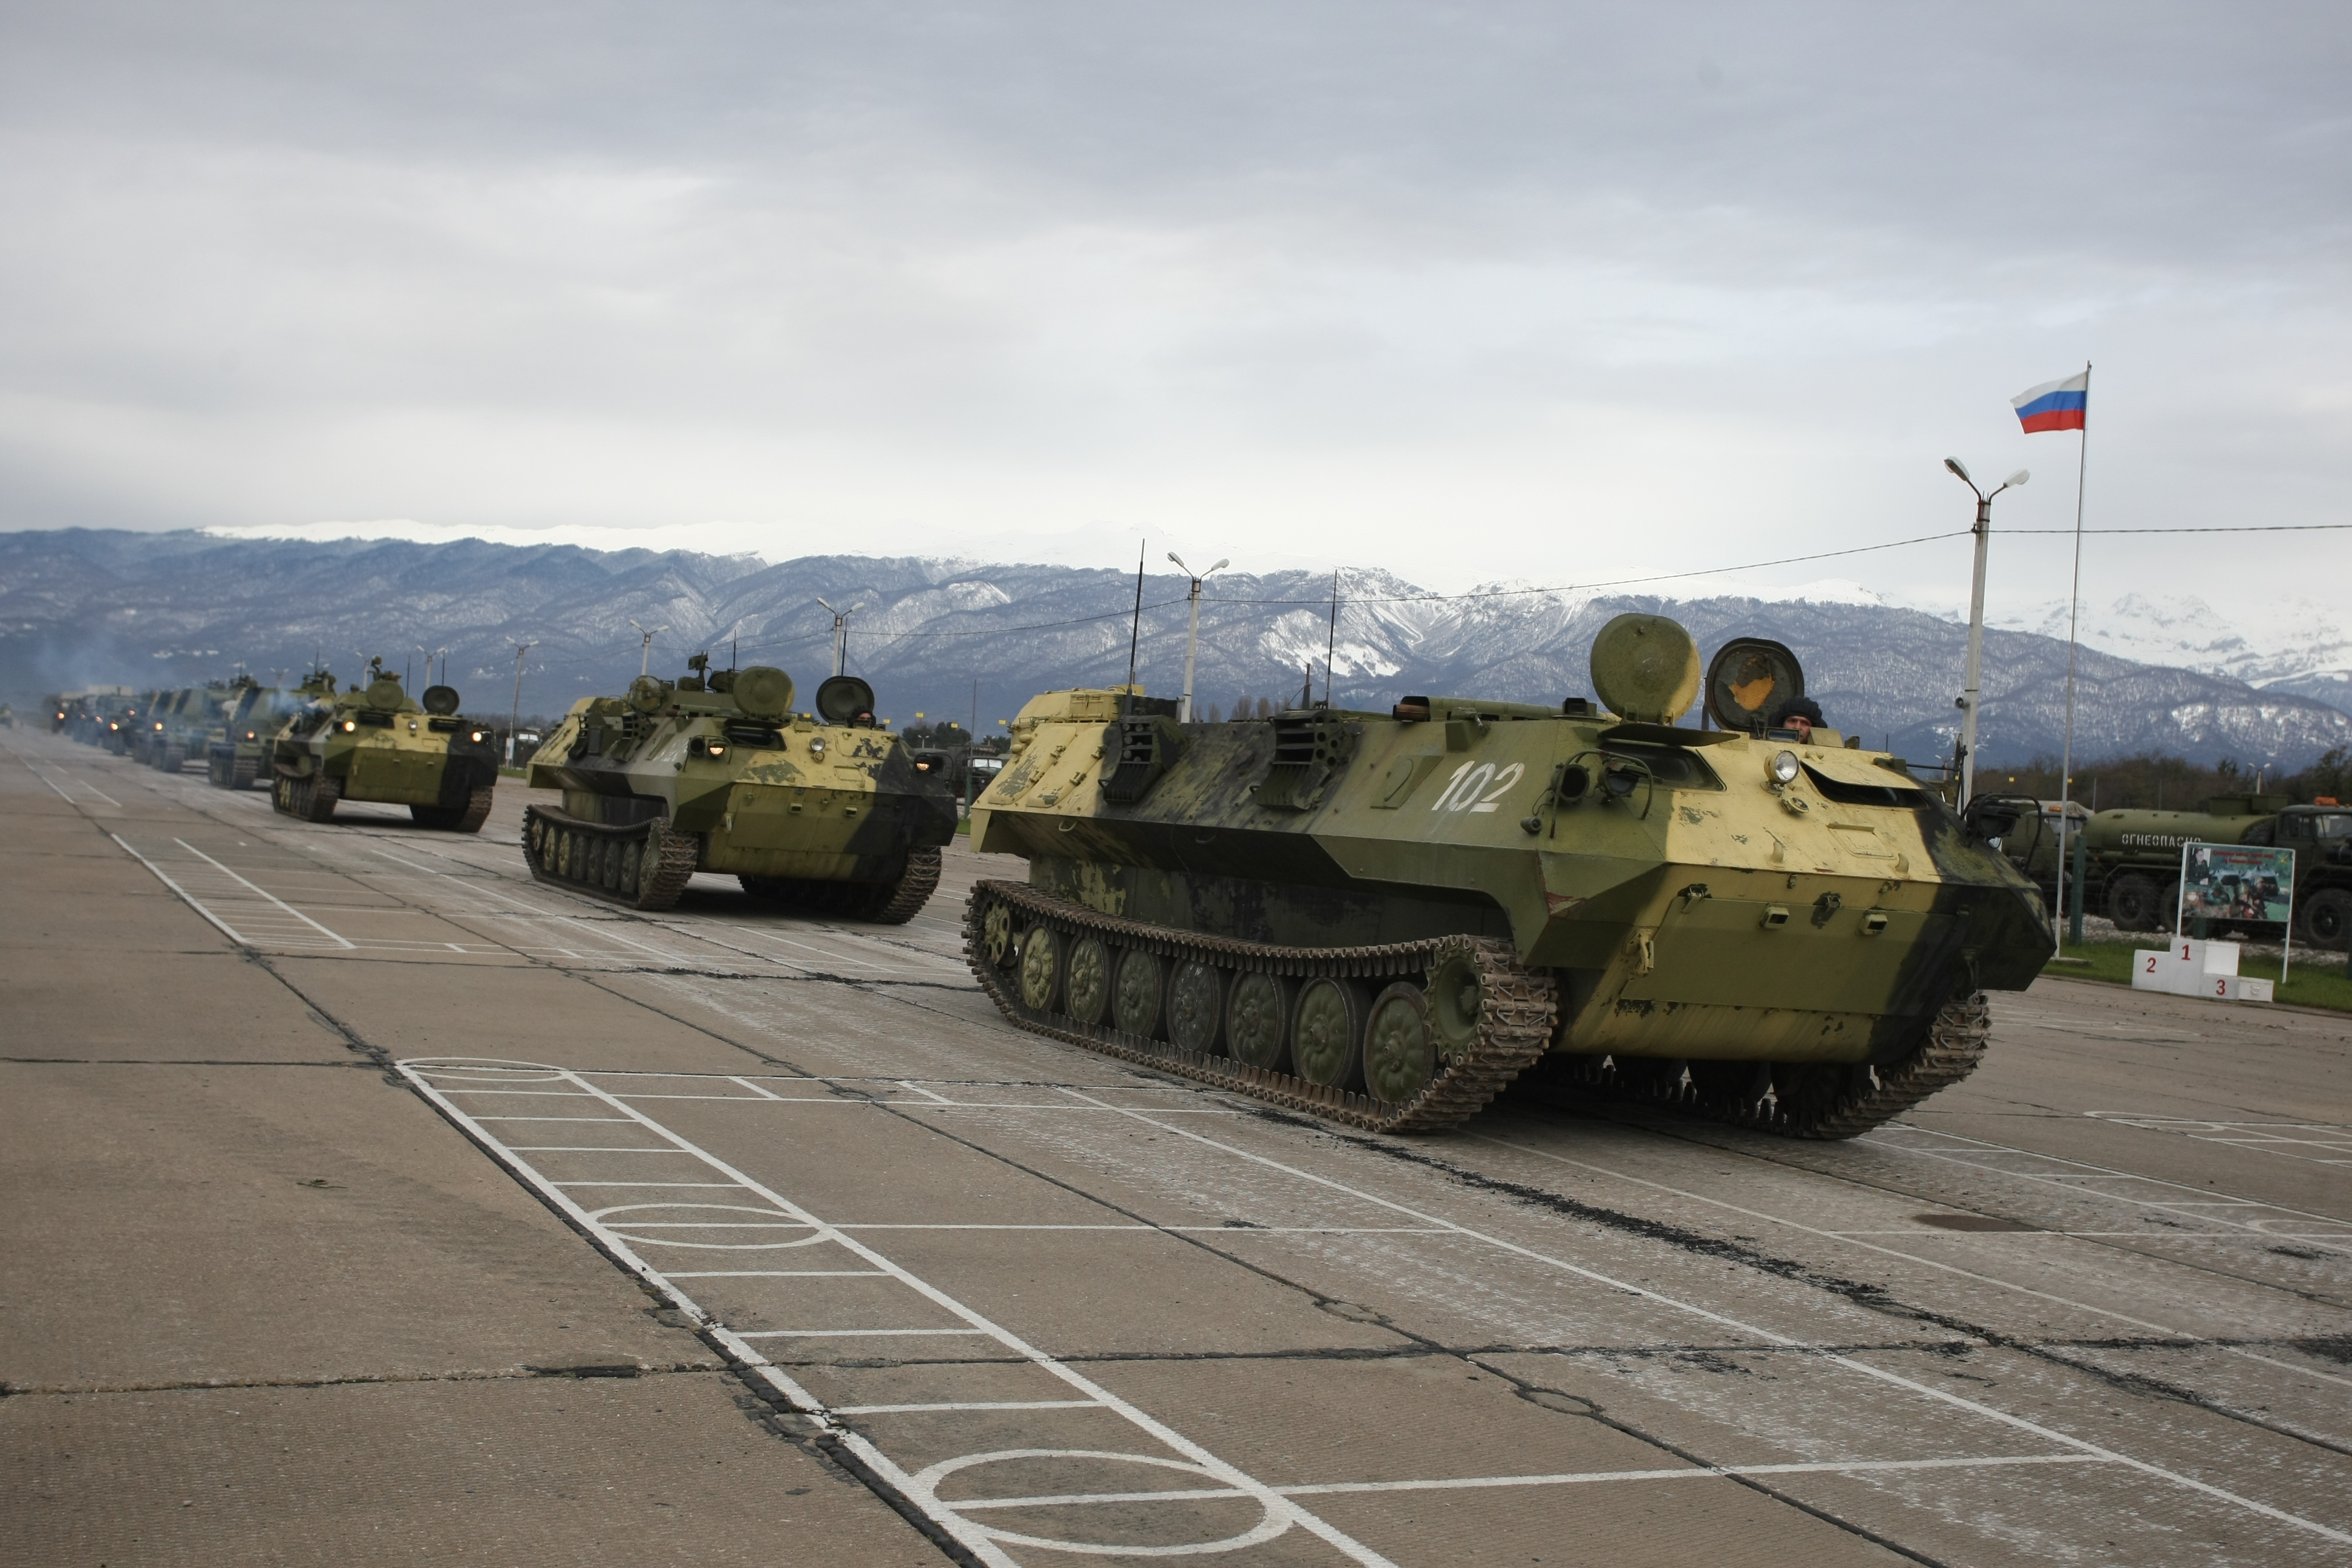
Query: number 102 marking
(1463,791)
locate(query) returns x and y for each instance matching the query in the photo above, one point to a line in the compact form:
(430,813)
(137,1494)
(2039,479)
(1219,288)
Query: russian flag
(2054,404)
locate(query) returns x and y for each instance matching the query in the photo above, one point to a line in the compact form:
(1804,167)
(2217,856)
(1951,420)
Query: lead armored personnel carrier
(822,811)
(1385,918)
(375,742)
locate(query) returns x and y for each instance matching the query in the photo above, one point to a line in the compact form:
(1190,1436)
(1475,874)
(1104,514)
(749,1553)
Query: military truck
(2132,857)
(1385,918)
(374,742)
(2320,835)
(822,811)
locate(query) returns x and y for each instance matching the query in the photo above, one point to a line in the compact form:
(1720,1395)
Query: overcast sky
(1468,292)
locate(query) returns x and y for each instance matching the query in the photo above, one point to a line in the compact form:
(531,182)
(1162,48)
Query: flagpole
(2073,627)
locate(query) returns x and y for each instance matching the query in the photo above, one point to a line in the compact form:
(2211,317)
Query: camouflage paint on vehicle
(376,743)
(1700,928)
(714,772)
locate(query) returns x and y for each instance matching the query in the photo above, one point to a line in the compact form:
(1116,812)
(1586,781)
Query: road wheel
(2131,902)
(1041,968)
(1455,997)
(2327,918)
(1257,1020)
(1138,992)
(1327,1033)
(1399,1047)
(1196,1007)
(1088,989)
(996,935)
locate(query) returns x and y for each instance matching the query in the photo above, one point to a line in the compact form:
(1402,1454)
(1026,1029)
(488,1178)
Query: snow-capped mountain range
(965,639)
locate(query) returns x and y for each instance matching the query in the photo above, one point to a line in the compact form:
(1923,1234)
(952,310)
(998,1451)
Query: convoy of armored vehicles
(1380,918)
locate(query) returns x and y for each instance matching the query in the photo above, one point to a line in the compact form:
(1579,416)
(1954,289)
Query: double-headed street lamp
(645,653)
(1974,691)
(841,635)
(1192,638)
(514,719)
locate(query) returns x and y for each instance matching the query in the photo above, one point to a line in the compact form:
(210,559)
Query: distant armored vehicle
(825,812)
(376,743)
(238,754)
(1385,918)
(170,718)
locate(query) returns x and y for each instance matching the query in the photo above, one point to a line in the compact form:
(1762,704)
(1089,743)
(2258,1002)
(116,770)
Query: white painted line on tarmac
(777,1273)
(1834,1358)
(1854,1238)
(863,1334)
(189,899)
(604,1121)
(754,1088)
(43,774)
(586,1149)
(2082,1171)
(471,885)
(980,1405)
(921,1489)
(1470,1483)
(264,892)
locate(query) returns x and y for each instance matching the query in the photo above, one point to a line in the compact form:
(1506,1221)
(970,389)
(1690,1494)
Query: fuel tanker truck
(2132,857)
(1385,918)
(825,812)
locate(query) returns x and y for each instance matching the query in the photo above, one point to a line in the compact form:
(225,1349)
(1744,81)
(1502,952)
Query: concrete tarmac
(372,1201)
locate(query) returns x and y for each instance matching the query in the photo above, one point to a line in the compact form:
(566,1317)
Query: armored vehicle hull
(376,743)
(1385,918)
(238,756)
(825,812)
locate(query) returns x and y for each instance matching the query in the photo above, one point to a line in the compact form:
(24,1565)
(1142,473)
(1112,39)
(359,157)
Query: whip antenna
(1134,632)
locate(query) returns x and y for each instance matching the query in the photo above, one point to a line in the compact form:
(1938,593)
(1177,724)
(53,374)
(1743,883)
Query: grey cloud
(521,263)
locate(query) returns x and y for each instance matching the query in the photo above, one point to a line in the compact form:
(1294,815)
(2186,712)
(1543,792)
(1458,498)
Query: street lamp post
(841,635)
(1971,698)
(645,653)
(514,718)
(1192,638)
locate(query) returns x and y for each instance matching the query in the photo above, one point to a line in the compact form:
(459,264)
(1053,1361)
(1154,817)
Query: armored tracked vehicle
(822,811)
(1385,918)
(239,755)
(375,742)
(147,746)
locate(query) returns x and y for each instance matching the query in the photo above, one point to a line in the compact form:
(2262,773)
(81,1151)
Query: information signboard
(2240,883)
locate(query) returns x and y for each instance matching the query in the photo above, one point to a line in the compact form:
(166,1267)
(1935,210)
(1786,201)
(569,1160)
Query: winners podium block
(2193,968)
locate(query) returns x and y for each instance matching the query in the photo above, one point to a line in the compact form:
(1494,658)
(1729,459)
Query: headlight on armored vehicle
(350,724)
(1785,768)
(478,734)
